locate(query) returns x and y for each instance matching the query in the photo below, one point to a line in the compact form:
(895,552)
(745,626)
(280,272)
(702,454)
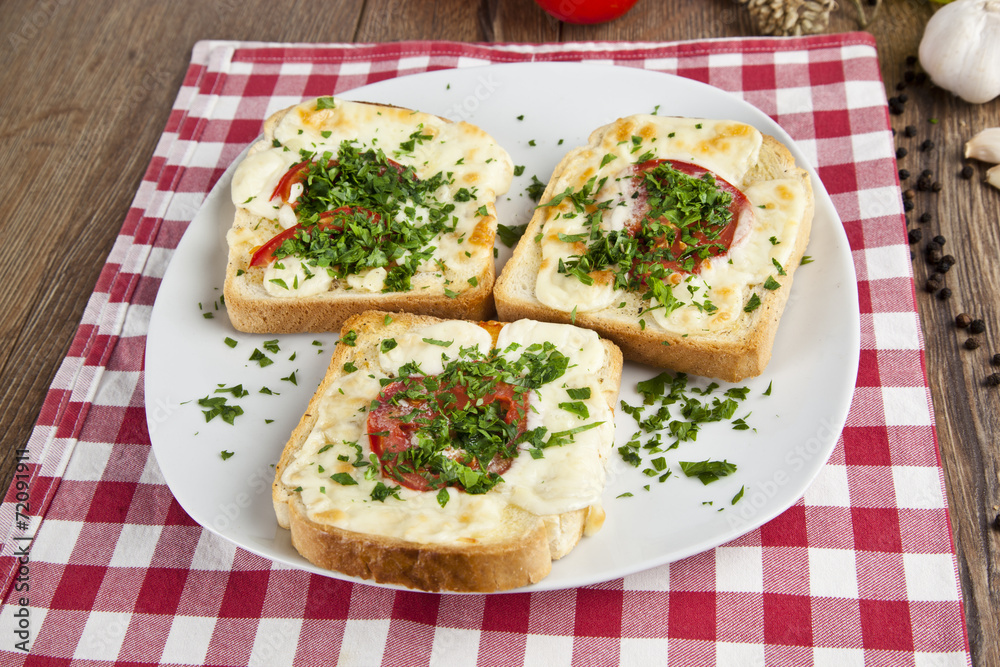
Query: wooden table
(87,87)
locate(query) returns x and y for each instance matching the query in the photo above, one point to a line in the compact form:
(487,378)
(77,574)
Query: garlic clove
(993,176)
(984,146)
(960,49)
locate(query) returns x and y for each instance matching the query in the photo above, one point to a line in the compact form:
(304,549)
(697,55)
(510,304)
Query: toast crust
(462,290)
(517,551)
(737,353)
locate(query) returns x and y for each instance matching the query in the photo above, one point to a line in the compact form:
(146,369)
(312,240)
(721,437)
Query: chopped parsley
(707,471)
(510,235)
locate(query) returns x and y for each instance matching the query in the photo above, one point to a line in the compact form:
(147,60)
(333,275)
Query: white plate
(812,373)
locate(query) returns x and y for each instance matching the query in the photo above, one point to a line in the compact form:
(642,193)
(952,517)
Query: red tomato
(737,206)
(264,255)
(586,11)
(390,428)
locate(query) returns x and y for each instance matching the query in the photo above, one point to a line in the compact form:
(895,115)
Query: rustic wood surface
(87,87)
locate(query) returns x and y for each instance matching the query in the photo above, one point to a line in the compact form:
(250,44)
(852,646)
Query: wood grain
(88,87)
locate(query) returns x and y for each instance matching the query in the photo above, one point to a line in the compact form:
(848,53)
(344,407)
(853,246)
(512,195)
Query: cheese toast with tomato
(346,206)
(677,238)
(450,455)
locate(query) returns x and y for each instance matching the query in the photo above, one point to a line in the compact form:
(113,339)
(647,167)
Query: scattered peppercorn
(911,60)
(933,253)
(995,360)
(944,294)
(903,174)
(909,193)
(942,267)
(924,217)
(901,153)
(901,85)
(915,235)
(909,77)
(971,343)
(967,172)
(934,283)
(962,321)
(977,326)
(996,522)
(948,259)
(993,379)
(940,240)
(910,130)
(924,183)
(936,186)
(908,205)
(926,145)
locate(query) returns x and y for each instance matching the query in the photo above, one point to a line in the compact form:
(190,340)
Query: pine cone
(790,17)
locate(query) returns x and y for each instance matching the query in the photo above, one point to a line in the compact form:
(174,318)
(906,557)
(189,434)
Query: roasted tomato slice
(688,257)
(328,220)
(298,173)
(393,424)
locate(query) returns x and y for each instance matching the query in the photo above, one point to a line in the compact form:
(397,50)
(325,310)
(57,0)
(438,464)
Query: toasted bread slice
(724,319)
(405,207)
(361,516)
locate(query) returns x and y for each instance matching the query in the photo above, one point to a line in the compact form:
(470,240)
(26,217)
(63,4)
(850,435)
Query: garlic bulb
(984,146)
(960,49)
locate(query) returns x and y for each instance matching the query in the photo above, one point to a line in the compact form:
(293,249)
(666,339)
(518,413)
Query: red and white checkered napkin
(861,570)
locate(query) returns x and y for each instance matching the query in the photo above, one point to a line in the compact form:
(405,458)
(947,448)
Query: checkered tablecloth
(100,565)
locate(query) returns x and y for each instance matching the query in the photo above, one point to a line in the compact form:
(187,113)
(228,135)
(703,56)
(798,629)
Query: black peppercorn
(962,321)
(936,186)
(908,205)
(942,267)
(933,253)
(995,360)
(908,76)
(924,217)
(903,174)
(967,172)
(944,294)
(971,343)
(948,259)
(901,153)
(901,85)
(940,240)
(977,326)
(915,235)
(910,130)
(926,145)
(993,380)
(911,60)
(924,183)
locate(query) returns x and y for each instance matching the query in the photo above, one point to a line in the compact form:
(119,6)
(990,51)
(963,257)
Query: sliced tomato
(391,427)
(295,174)
(328,220)
(719,245)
